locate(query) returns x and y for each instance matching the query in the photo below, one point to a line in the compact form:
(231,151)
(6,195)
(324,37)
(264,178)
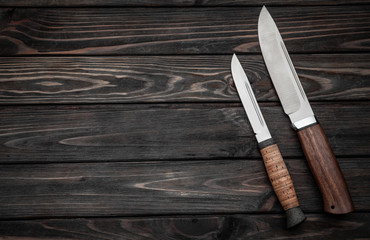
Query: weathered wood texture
(316,227)
(179,187)
(167,131)
(98,31)
(153,143)
(172,3)
(156,79)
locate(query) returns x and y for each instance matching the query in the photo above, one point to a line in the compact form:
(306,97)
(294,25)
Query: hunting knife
(274,163)
(315,145)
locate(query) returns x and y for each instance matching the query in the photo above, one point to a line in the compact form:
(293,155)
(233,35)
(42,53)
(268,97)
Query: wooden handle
(282,184)
(325,170)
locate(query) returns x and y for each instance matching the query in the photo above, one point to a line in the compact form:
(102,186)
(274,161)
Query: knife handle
(325,170)
(281,182)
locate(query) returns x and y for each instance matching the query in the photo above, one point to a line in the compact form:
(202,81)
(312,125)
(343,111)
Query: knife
(315,145)
(274,163)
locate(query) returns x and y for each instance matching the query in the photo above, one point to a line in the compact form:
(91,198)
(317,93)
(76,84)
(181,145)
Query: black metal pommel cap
(294,217)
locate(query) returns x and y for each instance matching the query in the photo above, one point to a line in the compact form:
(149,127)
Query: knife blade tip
(234,62)
(234,57)
(264,14)
(266,24)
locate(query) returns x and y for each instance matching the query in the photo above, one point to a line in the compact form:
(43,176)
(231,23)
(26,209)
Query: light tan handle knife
(274,163)
(315,145)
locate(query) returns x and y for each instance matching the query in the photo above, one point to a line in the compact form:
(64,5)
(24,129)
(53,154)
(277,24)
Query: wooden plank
(97,31)
(166,3)
(162,188)
(317,226)
(165,131)
(172,79)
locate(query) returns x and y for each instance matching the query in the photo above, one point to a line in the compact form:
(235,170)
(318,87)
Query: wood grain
(167,3)
(161,188)
(165,131)
(172,79)
(119,119)
(325,169)
(317,226)
(101,31)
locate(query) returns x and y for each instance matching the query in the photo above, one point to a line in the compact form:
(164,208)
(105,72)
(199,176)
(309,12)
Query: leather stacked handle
(325,170)
(282,184)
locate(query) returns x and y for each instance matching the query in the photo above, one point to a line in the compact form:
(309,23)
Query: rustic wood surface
(164,79)
(240,226)
(101,31)
(83,133)
(120,119)
(161,188)
(172,3)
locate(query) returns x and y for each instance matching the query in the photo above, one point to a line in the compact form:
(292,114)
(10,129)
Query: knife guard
(281,182)
(325,170)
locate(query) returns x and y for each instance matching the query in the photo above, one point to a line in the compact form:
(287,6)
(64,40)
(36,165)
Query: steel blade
(249,101)
(282,72)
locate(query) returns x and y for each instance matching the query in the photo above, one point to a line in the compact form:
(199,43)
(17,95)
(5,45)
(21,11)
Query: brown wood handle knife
(325,170)
(294,101)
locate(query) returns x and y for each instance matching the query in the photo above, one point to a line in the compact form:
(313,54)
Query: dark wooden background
(120,120)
